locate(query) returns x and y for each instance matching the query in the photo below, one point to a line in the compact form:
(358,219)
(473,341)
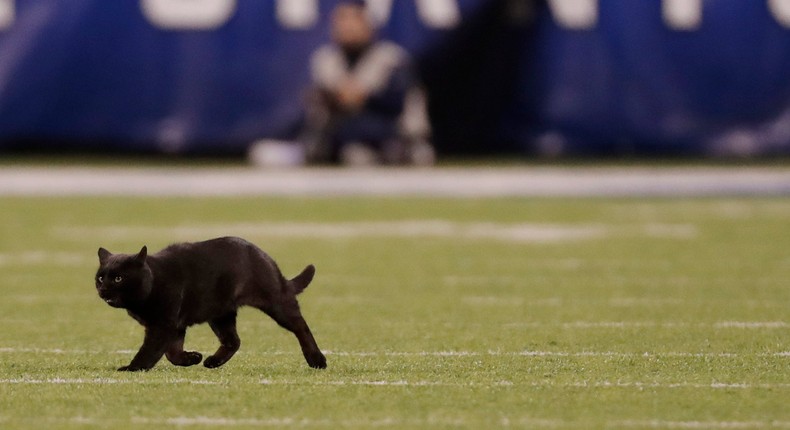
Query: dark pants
(328,138)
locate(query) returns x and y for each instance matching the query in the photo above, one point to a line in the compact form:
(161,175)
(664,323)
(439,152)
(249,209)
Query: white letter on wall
(379,11)
(188,14)
(439,13)
(575,14)
(297,14)
(6,13)
(682,14)
(781,11)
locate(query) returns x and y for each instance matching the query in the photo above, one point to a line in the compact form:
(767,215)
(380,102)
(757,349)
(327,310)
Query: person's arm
(391,98)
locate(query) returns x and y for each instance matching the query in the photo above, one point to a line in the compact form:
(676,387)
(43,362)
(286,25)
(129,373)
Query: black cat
(192,283)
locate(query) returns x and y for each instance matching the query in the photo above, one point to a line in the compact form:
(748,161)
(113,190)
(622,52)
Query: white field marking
(237,422)
(492,301)
(674,354)
(627,302)
(491,353)
(519,233)
(508,280)
(63,351)
(39,298)
(671,231)
(728,209)
(700,424)
(102,381)
(37,258)
(302,422)
(620,302)
(630,302)
(383,383)
(673,385)
(73,420)
(652,324)
(278,422)
(510,301)
(467,182)
(471,280)
(344,300)
(535,422)
(404,383)
(751,324)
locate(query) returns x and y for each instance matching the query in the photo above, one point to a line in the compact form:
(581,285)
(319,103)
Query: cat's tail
(302,280)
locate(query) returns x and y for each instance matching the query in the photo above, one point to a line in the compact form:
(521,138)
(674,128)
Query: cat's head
(123,280)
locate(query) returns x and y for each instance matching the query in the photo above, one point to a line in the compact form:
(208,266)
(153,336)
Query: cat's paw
(192,358)
(316,360)
(185,358)
(214,362)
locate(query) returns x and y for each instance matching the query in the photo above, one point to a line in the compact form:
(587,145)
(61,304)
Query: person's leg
(362,138)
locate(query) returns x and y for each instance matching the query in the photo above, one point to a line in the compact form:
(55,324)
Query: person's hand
(351,96)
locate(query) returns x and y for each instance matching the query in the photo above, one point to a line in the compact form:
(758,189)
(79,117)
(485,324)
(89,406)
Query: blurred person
(365,105)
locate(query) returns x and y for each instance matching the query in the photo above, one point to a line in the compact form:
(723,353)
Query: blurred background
(522,78)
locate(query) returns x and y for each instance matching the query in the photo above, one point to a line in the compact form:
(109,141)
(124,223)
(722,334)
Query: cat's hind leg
(229,342)
(289,317)
(176,354)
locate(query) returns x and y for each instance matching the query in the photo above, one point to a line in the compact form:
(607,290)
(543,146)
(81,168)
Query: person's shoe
(421,153)
(276,153)
(357,154)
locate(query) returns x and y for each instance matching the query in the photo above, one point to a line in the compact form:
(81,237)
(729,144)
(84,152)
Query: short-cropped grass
(434,313)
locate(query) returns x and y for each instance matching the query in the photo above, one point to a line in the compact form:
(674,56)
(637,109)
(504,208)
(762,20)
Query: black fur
(193,283)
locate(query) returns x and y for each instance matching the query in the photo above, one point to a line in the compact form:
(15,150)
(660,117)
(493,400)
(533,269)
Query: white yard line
(420,228)
(753,325)
(405,383)
(41,257)
(700,424)
(303,422)
(447,182)
(491,353)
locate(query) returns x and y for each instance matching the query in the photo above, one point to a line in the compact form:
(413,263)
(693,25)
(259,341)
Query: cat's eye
(100,279)
(118,279)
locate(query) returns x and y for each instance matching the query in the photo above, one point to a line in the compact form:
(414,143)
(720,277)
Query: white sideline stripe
(420,228)
(280,422)
(746,324)
(620,302)
(529,422)
(492,353)
(267,422)
(402,383)
(469,182)
(654,324)
(33,258)
(474,300)
(100,381)
(701,424)
(583,384)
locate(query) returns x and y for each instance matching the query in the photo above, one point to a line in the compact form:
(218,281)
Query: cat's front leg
(175,352)
(156,342)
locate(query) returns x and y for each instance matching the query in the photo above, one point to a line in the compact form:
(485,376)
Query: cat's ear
(140,257)
(104,255)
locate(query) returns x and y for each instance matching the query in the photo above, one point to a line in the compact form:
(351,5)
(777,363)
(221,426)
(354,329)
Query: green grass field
(434,313)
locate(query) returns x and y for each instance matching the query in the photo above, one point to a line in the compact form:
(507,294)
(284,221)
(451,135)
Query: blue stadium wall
(578,77)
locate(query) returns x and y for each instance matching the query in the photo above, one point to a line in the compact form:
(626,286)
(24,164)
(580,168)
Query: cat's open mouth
(112,302)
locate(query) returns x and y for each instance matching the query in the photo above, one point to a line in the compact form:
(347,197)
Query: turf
(551,313)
